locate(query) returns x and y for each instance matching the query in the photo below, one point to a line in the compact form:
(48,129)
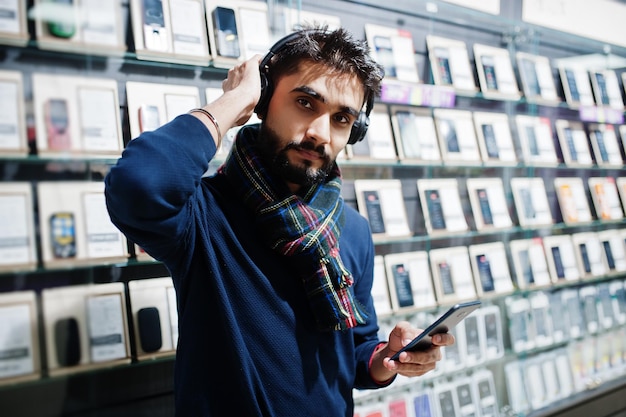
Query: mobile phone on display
(446,404)
(526,267)
(63,235)
(452,140)
(531,135)
(57,124)
(558,262)
(485,209)
(585,257)
(527,203)
(445,276)
(435,210)
(490,141)
(443,324)
(148,118)
(490,72)
(604,155)
(374,211)
(154,32)
(66,27)
(528,68)
(569,139)
(226,34)
(443,64)
(570,76)
(604,94)
(384,53)
(484,273)
(610,260)
(402,281)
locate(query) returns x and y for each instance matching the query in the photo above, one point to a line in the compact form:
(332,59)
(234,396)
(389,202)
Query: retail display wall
(493,169)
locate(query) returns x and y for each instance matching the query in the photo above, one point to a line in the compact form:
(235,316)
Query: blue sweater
(248,345)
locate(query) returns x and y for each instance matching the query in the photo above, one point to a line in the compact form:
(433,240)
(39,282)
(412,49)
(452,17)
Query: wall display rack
(513,357)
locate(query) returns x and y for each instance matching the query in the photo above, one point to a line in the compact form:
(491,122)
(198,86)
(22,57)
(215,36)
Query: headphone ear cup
(359,128)
(264,98)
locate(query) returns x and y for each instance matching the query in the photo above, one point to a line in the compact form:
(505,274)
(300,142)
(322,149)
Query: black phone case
(149,322)
(67,341)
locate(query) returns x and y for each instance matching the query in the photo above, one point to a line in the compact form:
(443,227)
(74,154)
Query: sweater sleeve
(149,191)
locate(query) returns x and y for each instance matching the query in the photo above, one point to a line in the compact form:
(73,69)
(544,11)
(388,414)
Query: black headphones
(359,128)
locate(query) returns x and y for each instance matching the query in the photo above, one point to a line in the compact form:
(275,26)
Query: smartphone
(585,257)
(531,136)
(532,82)
(446,404)
(384,53)
(610,260)
(603,92)
(57,124)
(226,34)
(435,210)
(569,139)
(485,209)
(443,324)
(490,141)
(604,155)
(451,139)
(443,64)
(527,203)
(570,76)
(484,273)
(64,28)
(402,281)
(63,235)
(374,211)
(154,32)
(558,262)
(490,72)
(445,276)
(148,118)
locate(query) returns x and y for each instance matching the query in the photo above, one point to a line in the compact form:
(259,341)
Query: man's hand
(410,363)
(244,80)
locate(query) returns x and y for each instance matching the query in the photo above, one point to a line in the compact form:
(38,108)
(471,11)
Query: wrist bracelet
(213,120)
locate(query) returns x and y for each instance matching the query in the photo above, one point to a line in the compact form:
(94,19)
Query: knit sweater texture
(248,344)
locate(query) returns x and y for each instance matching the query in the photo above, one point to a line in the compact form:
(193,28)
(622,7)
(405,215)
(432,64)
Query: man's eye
(304,103)
(342,118)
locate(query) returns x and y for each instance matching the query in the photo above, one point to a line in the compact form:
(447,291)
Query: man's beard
(277,162)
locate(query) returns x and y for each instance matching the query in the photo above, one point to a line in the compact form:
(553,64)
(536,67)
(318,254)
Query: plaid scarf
(304,228)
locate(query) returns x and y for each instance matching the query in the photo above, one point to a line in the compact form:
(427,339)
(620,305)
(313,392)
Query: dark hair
(336,49)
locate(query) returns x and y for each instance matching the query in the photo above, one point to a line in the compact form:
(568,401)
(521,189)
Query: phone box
(495,73)
(495,140)
(605,198)
(450,65)
(490,269)
(520,324)
(382,204)
(537,79)
(410,282)
(574,143)
(491,331)
(19,337)
(75,227)
(489,204)
(529,262)
(393,49)
(606,90)
(155,317)
(415,135)
(531,202)
(561,257)
(605,145)
(589,254)
(441,205)
(536,141)
(452,275)
(576,86)
(13,138)
(457,136)
(614,250)
(238,30)
(573,200)
(80,26)
(77,116)
(85,327)
(378,143)
(170,31)
(485,392)
(151,105)
(17,229)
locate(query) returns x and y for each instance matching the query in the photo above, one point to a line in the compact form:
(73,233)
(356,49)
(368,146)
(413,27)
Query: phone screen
(531,136)
(585,257)
(226,32)
(601,81)
(604,155)
(558,262)
(569,139)
(570,76)
(485,209)
(526,267)
(374,211)
(490,72)
(435,210)
(153,13)
(528,67)
(402,282)
(484,272)
(527,203)
(384,53)
(63,235)
(610,260)
(450,136)
(443,66)
(490,141)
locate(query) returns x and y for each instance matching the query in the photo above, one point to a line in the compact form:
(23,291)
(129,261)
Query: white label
(98,119)
(187,27)
(103,238)
(99,25)
(106,327)
(9,119)
(9,17)
(16,345)
(15,242)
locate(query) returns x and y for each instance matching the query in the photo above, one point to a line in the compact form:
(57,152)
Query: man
(272,271)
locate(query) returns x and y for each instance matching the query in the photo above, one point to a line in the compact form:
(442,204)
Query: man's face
(308,122)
